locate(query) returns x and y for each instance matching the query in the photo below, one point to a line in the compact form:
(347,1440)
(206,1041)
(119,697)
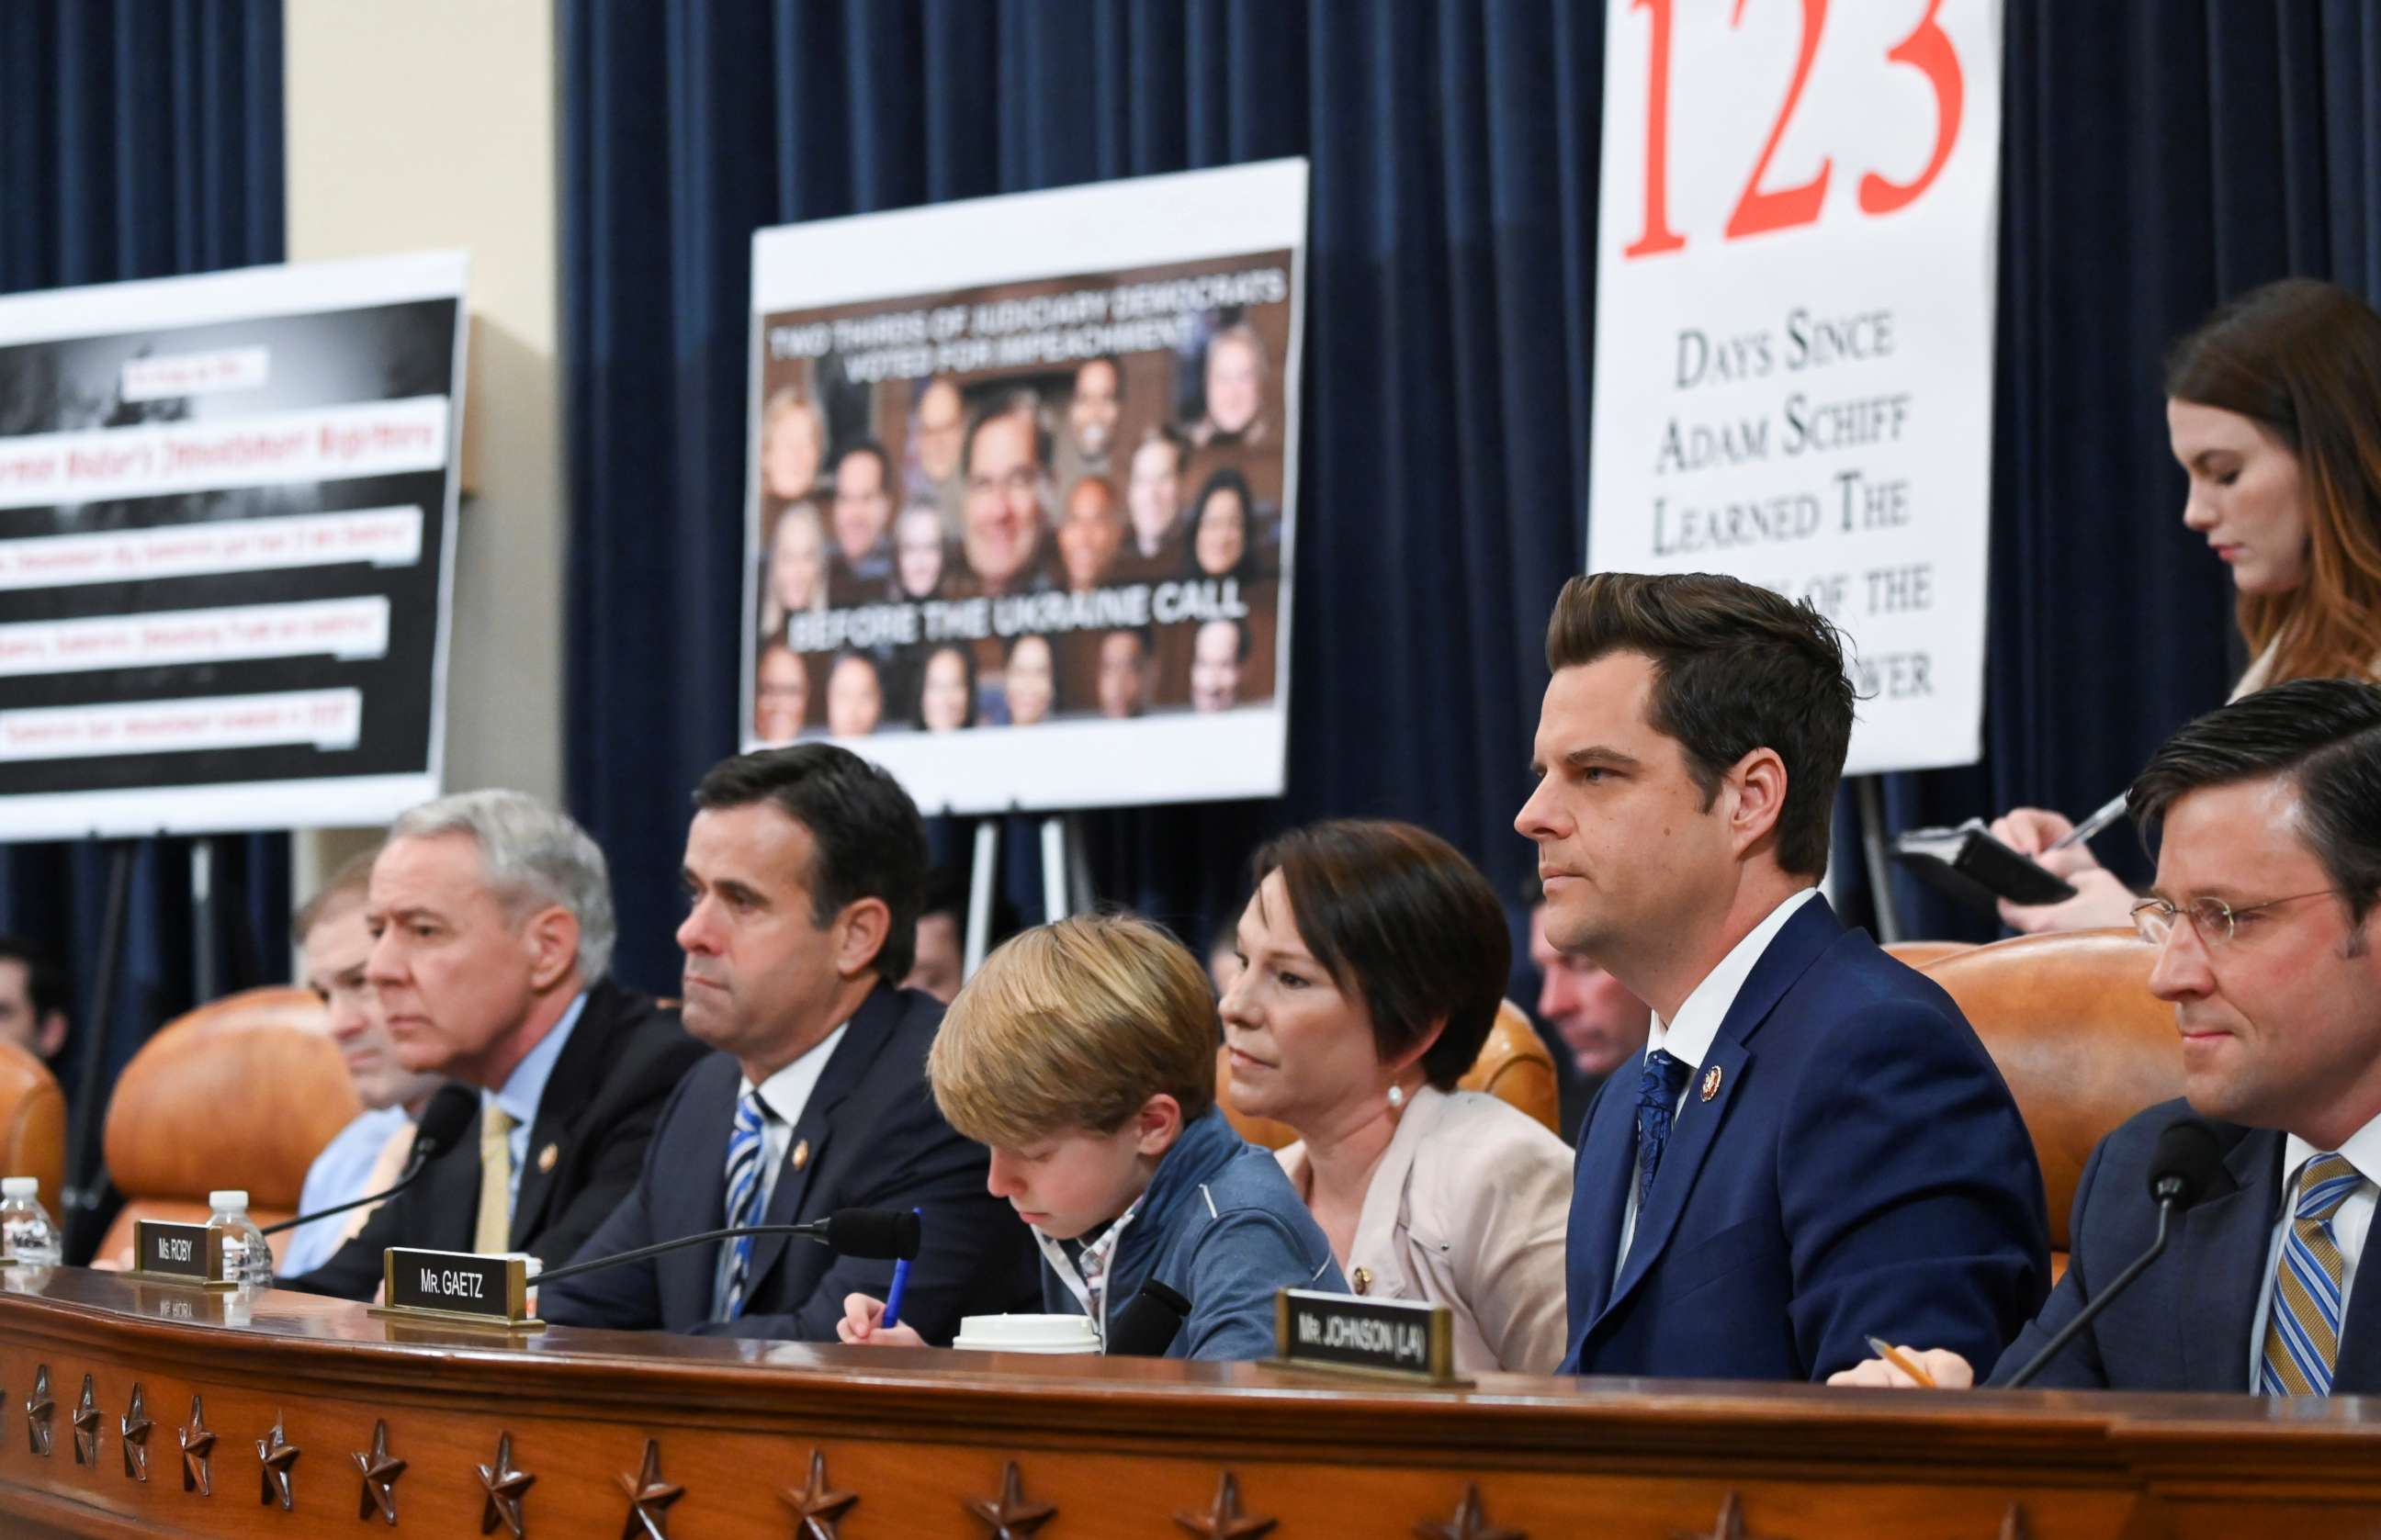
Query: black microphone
(449,1112)
(2188,1157)
(875,1233)
(1145,1326)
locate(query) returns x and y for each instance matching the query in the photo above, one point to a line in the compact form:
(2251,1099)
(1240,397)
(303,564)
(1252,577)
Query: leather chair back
(243,1092)
(2078,1035)
(1923,955)
(33,1125)
(1512,1065)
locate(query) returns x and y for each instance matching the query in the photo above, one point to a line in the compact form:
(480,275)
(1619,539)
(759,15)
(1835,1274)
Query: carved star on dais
(136,1428)
(85,1426)
(1470,1521)
(381,1470)
(818,1509)
(39,1410)
(1011,1516)
(278,1454)
(1729,1527)
(1224,1520)
(196,1445)
(649,1497)
(505,1486)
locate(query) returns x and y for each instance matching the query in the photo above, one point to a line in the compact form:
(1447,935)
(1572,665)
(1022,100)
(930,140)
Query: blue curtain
(2158,157)
(137,140)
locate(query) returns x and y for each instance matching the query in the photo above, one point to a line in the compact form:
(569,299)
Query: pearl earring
(1396,1097)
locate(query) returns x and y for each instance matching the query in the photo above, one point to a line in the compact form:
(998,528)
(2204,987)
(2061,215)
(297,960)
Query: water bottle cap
(20,1186)
(229,1197)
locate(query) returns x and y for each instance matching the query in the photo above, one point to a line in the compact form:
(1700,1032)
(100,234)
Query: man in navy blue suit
(2266,912)
(805,869)
(1815,1146)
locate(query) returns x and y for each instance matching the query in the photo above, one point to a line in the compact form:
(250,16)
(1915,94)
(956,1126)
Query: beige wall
(422,124)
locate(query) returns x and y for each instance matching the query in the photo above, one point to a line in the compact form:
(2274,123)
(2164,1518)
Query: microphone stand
(413,1168)
(2050,1349)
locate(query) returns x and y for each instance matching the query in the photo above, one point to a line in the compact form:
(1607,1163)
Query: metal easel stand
(1868,790)
(1066,879)
(86,1190)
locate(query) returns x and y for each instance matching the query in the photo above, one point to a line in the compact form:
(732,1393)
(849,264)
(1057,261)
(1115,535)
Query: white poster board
(226,503)
(1022,490)
(1794,328)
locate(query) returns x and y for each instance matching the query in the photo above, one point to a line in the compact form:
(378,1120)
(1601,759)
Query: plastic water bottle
(247,1259)
(26,1233)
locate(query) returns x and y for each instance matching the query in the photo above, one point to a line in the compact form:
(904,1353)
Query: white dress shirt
(1689,1039)
(2349,1222)
(786,1095)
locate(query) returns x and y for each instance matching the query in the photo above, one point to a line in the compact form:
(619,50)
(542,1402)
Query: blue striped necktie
(744,1145)
(2302,1326)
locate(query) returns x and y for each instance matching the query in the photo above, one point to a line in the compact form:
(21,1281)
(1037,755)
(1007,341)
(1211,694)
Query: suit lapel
(2222,1264)
(1607,1154)
(578,1075)
(685,1278)
(1808,933)
(872,1027)
(2358,1371)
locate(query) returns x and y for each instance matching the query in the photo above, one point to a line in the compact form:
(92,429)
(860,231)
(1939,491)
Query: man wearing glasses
(2267,816)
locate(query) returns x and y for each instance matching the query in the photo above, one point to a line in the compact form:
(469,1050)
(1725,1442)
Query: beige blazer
(1467,1209)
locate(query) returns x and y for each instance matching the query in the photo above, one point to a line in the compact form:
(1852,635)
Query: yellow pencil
(1901,1360)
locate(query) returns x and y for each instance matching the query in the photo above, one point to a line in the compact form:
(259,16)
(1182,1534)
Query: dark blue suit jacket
(1859,1168)
(2184,1324)
(871,1138)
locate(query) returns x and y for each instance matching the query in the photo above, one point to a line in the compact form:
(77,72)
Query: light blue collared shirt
(525,1087)
(338,1174)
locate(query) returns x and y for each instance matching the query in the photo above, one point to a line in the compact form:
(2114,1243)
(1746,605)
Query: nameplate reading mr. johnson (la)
(1408,1338)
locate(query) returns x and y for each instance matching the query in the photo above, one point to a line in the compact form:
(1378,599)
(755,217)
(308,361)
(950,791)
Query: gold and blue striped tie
(2302,1327)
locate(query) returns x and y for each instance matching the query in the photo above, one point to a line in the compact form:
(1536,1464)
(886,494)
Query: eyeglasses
(2212,917)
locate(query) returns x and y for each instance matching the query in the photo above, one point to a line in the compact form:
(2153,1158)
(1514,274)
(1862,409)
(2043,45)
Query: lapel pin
(1711,1083)
(801,1154)
(547,1157)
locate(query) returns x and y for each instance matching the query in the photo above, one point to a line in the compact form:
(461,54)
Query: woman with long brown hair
(2274,411)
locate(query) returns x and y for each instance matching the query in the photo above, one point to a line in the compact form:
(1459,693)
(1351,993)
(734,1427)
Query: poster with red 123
(1794,328)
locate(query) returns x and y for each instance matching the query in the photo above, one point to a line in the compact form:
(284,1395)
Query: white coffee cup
(1028,1334)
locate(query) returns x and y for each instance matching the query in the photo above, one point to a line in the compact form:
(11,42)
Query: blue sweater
(1222,1225)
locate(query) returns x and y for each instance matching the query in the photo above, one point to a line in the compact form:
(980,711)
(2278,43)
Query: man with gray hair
(492,927)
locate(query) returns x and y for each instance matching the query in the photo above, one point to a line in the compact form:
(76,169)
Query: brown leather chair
(1512,1065)
(2078,1035)
(33,1124)
(1923,955)
(243,1092)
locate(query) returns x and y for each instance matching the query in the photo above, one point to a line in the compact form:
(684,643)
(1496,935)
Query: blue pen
(900,1281)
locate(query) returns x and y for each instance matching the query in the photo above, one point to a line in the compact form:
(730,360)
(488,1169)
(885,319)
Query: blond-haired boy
(1083,1053)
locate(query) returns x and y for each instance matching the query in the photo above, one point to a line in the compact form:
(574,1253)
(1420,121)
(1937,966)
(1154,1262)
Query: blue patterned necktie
(744,1145)
(1658,1085)
(2302,1324)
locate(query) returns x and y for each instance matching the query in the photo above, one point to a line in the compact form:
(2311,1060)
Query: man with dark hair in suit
(2266,912)
(805,872)
(492,927)
(1815,1145)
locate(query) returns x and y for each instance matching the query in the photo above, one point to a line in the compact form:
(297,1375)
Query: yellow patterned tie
(495,1231)
(2302,1327)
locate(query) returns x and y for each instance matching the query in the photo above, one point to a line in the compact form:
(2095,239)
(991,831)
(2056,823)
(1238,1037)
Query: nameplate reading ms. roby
(1408,1339)
(457,1286)
(177,1253)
